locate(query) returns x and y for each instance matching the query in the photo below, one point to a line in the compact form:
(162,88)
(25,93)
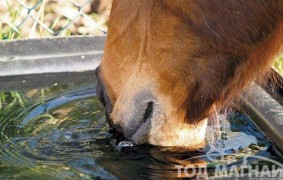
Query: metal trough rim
(83,54)
(50,55)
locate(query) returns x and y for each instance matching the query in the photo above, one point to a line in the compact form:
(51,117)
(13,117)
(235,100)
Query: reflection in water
(61,132)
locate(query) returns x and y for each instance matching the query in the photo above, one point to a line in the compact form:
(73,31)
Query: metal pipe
(266,112)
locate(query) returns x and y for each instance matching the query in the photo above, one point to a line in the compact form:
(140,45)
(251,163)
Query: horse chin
(171,134)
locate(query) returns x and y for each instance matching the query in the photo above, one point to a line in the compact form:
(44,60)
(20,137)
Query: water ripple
(61,133)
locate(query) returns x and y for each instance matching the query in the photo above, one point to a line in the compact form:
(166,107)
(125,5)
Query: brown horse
(169,64)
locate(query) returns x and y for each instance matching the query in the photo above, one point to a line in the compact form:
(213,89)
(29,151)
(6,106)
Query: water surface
(53,127)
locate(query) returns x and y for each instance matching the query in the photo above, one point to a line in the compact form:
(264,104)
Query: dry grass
(50,17)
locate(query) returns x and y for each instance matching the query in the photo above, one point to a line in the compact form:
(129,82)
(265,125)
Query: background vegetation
(46,18)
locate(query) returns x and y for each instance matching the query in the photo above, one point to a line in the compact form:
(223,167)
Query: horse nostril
(102,93)
(148,112)
(118,127)
(100,88)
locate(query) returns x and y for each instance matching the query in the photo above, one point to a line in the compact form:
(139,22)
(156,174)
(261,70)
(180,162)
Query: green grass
(9,99)
(17,15)
(7,29)
(278,64)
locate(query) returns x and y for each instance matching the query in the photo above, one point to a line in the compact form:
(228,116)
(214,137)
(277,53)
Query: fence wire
(43,18)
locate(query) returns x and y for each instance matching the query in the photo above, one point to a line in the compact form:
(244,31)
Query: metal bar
(26,82)
(266,112)
(38,56)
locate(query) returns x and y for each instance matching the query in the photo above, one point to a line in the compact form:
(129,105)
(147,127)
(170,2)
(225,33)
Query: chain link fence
(47,18)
